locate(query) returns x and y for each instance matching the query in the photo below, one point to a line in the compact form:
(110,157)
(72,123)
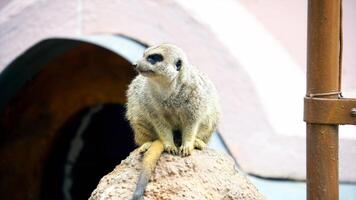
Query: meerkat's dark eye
(178,64)
(153,58)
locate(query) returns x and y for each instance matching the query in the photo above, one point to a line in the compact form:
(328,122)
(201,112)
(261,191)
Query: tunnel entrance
(62,121)
(91,144)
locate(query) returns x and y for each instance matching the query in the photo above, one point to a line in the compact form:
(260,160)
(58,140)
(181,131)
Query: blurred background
(65,66)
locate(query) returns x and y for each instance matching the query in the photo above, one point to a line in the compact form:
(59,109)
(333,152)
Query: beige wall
(287,22)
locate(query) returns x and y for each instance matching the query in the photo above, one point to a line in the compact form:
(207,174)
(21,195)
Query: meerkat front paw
(143,148)
(171,148)
(186,149)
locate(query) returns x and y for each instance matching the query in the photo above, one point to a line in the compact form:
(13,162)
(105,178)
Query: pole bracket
(330,111)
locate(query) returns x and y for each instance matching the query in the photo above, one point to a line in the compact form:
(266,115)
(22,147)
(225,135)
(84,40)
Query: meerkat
(169,95)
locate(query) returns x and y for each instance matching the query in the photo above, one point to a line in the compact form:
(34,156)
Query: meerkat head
(162,61)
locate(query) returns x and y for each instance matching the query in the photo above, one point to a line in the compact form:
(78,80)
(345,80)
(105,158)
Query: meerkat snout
(144,68)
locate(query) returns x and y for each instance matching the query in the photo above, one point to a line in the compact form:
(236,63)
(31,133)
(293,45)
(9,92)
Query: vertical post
(323,73)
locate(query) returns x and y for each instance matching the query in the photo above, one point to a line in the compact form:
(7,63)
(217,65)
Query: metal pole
(323,73)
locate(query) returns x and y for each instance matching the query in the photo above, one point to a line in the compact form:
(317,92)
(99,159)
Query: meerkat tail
(149,162)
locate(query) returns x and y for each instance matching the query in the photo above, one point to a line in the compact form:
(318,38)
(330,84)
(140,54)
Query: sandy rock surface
(207,174)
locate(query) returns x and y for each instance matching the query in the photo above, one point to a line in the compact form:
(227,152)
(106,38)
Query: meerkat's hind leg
(199,144)
(143,148)
(204,134)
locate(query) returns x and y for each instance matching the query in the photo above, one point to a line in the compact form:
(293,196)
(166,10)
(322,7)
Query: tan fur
(162,99)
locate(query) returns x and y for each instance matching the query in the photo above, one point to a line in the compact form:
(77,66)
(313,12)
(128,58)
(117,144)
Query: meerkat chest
(173,108)
(173,112)
(173,119)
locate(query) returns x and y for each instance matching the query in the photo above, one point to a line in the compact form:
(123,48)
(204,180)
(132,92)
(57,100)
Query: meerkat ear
(178,64)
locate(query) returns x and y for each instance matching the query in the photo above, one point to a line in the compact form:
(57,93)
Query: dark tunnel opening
(62,116)
(90,145)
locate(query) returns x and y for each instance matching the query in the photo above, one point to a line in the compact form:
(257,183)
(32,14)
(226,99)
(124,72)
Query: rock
(206,174)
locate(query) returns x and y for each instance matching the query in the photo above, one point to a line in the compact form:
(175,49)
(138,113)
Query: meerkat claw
(143,148)
(186,150)
(171,149)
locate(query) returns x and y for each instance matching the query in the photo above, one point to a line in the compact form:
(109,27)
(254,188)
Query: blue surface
(283,189)
(294,190)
